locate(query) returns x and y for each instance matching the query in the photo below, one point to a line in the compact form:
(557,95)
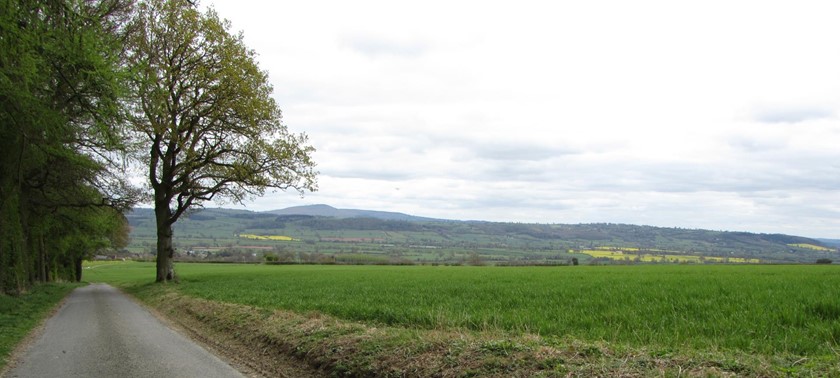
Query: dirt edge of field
(284,343)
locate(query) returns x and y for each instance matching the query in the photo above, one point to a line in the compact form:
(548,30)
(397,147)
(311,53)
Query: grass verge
(20,314)
(344,348)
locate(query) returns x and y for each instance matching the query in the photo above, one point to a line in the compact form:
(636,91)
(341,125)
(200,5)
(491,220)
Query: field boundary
(248,359)
(275,340)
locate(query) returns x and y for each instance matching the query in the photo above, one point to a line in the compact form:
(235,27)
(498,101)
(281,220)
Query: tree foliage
(79,79)
(206,124)
(61,193)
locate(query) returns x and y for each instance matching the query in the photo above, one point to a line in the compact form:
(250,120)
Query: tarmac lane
(99,332)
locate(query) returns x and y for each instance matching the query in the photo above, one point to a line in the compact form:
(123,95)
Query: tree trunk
(5,262)
(165,251)
(43,260)
(77,266)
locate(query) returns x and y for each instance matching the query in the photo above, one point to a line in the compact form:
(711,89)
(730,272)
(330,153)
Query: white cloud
(717,114)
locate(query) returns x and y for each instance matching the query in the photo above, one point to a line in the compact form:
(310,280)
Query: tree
(60,112)
(207,125)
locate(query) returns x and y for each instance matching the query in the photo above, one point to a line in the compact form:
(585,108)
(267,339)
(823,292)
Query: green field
(764,310)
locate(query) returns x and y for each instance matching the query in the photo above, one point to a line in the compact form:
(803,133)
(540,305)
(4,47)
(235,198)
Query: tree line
(91,90)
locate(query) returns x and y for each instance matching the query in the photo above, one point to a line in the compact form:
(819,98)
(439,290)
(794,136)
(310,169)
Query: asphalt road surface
(99,332)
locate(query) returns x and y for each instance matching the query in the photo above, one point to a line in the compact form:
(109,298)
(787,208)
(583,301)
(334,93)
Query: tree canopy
(87,86)
(205,122)
(61,96)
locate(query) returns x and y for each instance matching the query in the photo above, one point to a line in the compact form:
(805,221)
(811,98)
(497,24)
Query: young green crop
(768,310)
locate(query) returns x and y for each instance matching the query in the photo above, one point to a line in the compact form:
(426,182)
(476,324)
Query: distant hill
(835,243)
(322,230)
(329,211)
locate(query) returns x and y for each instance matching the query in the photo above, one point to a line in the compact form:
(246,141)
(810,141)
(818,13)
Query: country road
(99,332)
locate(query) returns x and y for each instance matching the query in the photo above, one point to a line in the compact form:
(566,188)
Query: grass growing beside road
(790,315)
(20,314)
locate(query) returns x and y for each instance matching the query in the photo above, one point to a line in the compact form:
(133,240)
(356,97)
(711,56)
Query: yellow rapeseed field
(267,237)
(811,246)
(632,254)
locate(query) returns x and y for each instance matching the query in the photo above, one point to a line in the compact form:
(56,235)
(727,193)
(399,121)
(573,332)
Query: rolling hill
(329,211)
(322,233)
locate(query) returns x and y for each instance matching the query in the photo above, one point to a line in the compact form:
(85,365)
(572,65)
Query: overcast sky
(721,115)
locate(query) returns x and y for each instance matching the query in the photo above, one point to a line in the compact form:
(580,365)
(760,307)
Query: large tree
(208,126)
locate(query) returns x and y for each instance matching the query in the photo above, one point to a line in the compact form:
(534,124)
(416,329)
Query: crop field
(811,246)
(267,237)
(764,310)
(634,255)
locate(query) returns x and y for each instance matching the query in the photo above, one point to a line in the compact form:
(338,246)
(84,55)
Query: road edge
(222,345)
(26,343)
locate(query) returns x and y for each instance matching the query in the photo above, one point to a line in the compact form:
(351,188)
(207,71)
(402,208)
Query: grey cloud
(504,150)
(376,46)
(756,144)
(788,206)
(370,173)
(784,172)
(789,114)
(520,202)
(519,152)
(509,160)
(511,174)
(741,177)
(511,171)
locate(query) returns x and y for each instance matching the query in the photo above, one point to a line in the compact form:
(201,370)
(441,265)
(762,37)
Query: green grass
(765,310)
(18,315)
